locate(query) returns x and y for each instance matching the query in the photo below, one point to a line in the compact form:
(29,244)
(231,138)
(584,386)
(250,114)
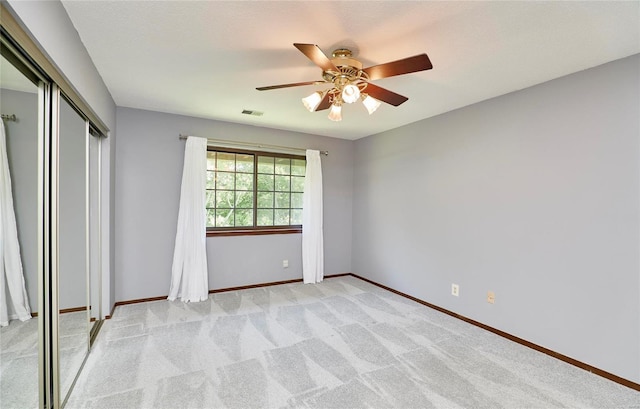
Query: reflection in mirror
(94,235)
(19,260)
(73,319)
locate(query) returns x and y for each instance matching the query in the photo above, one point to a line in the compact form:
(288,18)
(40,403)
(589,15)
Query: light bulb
(312,101)
(335,113)
(350,93)
(370,103)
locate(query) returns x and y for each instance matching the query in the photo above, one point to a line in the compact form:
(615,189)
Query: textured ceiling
(205,58)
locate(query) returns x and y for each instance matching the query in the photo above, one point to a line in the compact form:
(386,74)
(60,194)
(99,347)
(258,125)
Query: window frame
(253,230)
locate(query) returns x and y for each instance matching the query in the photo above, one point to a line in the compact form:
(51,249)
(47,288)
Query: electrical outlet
(285,263)
(455,290)
(491,297)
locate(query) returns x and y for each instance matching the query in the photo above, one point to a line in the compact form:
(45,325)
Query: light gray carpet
(19,358)
(19,364)
(340,344)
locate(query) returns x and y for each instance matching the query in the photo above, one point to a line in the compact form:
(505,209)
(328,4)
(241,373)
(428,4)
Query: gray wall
(532,195)
(50,26)
(22,153)
(149,162)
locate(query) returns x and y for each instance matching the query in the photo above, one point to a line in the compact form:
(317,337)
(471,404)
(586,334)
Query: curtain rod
(10,117)
(253,145)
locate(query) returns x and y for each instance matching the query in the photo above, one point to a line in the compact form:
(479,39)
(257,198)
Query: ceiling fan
(350,81)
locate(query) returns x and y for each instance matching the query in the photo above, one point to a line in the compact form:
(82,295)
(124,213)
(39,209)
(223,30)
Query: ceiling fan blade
(385,95)
(325,103)
(405,66)
(315,54)
(295,84)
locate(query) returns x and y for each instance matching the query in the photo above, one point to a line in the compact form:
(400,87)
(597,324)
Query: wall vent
(251,112)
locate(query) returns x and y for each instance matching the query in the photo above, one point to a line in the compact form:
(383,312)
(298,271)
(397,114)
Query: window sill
(253,232)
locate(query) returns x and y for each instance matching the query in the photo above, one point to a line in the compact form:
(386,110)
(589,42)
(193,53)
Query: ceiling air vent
(250,112)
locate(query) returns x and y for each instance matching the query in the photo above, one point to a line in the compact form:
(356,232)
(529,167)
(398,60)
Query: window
(252,192)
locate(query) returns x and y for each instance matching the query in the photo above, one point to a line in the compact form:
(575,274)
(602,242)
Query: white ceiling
(205,58)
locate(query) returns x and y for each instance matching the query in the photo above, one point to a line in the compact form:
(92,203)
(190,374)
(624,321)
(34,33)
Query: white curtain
(13,294)
(312,236)
(189,276)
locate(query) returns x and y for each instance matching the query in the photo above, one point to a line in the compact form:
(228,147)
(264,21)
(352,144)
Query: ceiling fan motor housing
(350,69)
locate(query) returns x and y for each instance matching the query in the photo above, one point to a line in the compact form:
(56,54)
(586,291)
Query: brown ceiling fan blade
(405,66)
(295,84)
(385,95)
(325,103)
(315,54)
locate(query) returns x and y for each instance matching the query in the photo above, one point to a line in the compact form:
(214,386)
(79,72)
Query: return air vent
(250,112)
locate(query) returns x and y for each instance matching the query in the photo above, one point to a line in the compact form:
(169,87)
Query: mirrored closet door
(94,153)
(73,244)
(20,184)
(50,219)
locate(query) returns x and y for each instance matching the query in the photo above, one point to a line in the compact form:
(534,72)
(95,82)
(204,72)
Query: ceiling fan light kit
(350,93)
(335,114)
(312,101)
(370,103)
(349,80)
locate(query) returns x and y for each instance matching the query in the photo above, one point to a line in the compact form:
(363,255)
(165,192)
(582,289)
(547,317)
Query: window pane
(296,200)
(211,217)
(283,166)
(282,217)
(265,200)
(297,184)
(224,218)
(224,199)
(244,181)
(226,161)
(298,167)
(283,183)
(282,200)
(244,200)
(244,163)
(245,190)
(265,182)
(211,198)
(225,180)
(211,180)
(244,217)
(211,161)
(265,217)
(265,164)
(296,216)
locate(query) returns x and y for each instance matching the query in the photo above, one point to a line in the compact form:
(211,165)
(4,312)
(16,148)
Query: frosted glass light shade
(371,104)
(350,93)
(312,101)
(336,113)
